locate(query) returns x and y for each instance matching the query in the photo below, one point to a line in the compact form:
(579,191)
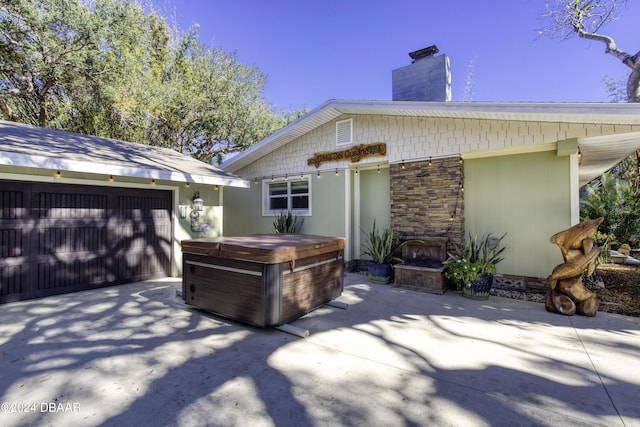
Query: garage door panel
(57,238)
(15,225)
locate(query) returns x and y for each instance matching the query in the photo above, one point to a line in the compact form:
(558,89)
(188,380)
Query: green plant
(287,223)
(618,203)
(381,246)
(473,259)
(463,271)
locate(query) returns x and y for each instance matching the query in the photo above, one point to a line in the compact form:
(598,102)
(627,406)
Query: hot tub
(262,279)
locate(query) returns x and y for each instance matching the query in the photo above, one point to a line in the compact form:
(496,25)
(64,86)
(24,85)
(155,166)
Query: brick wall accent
(424,197)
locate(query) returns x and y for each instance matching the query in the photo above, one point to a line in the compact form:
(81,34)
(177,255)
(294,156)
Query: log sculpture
(567,294)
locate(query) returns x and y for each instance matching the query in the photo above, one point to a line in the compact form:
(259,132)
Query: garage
(80,212)
(57,238)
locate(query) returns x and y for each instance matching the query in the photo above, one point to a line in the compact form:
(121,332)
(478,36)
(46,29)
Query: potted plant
(472,266)
(382,247)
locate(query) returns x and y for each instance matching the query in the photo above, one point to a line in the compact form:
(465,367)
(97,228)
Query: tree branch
(610,48)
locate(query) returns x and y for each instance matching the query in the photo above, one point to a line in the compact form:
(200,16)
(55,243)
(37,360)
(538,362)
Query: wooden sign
(353,154)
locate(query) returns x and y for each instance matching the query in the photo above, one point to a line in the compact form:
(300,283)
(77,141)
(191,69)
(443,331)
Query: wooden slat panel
(73,237)
(311,287)
(232,294)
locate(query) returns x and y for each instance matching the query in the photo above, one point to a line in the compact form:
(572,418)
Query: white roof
(36,147)
(593,161)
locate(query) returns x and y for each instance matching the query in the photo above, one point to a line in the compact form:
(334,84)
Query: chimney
(427,78)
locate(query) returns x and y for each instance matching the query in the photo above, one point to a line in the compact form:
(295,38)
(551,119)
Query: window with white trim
(287,195)
(344,132)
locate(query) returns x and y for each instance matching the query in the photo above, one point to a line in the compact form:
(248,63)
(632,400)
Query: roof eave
(68,165)
(597,113)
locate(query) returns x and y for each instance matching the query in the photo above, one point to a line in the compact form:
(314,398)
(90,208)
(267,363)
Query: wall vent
(344,132)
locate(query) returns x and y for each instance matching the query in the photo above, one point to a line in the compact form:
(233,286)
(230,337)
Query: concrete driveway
(135,355)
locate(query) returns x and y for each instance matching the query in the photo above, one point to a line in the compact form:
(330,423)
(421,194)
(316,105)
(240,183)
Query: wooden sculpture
(567,294)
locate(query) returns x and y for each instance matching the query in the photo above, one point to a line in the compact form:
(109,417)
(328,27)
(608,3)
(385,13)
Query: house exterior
(434,169)
(79,212)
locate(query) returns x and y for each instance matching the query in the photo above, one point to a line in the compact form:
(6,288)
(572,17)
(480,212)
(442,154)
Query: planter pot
(379,273)
(479,289)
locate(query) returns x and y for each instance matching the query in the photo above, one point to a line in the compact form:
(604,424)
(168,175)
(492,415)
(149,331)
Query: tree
(44,47)
(112,68)
(585,18)
(619,204)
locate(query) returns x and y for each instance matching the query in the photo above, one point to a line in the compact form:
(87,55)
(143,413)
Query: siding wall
(530,196)
(410,138)
(527,196)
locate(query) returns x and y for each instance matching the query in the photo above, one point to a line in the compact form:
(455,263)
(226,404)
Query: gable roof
(587,113)
(36,147)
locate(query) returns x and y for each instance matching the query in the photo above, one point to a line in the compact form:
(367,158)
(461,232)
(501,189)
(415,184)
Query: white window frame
(338,124)
(266,197)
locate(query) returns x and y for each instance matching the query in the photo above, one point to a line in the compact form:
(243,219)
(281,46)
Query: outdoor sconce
(182,210)
(197,202)
(197,206)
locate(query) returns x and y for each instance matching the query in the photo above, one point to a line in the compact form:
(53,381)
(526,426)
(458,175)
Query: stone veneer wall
(424,197)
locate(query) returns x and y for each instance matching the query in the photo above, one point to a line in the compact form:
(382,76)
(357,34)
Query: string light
(378,168)
(153,182)
(356,171)
(429,160)
(186,184)
(255,181)
(58,174)
(110,178)
(337,173)
(402,165)
(318,174)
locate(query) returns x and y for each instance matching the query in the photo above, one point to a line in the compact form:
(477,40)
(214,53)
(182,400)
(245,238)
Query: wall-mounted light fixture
(197,202)
(182,210)
(197,206)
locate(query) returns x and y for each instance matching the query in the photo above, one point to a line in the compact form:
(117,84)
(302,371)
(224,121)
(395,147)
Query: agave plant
(381,246)
(287,223)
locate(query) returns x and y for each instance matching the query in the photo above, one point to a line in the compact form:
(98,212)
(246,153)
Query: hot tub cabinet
(262,279)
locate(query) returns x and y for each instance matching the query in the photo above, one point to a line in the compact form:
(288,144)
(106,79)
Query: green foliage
(111,68)
(619,204)
(381,246)
(287,223)
(473,259)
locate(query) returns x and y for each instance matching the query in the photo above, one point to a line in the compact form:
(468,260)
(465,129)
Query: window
(287,195)
(344,132)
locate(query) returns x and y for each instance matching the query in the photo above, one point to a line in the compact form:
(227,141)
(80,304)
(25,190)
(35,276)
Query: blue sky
(312,51)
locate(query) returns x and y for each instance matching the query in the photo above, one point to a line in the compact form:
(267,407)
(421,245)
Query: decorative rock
(625,249)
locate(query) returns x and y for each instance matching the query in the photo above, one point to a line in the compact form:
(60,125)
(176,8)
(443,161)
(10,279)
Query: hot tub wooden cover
(264,248)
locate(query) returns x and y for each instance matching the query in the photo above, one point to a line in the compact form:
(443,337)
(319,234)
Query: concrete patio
(136,355)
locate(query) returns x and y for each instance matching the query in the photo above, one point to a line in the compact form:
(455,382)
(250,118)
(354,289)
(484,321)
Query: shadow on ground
(134,354)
